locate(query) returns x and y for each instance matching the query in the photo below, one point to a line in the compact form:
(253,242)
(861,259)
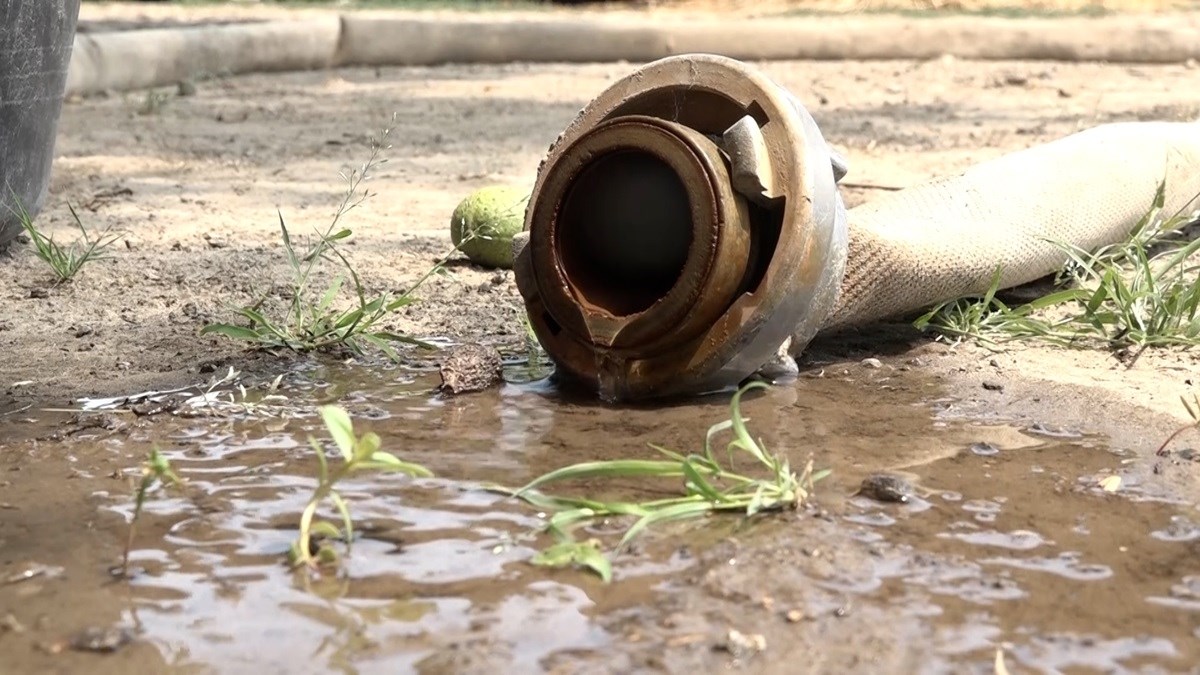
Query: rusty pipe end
(682,229)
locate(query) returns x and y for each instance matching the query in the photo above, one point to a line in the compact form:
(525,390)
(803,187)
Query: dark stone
(884,487)
(104,639)
(471,367)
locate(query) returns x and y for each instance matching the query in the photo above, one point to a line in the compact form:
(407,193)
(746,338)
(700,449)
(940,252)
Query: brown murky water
(1010,541)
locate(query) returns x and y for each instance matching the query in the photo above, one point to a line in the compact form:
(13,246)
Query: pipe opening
(624,231)
(767,224)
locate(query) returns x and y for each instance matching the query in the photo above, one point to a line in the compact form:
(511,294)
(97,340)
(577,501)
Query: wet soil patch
(1011,538)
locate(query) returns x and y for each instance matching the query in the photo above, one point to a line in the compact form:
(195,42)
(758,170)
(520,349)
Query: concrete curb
(122,61)
(139,59)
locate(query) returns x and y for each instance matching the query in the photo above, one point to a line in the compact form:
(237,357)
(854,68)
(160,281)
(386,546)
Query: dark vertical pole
(36,37)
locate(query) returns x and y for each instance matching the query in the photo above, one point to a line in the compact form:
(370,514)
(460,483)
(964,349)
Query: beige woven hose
(947,238)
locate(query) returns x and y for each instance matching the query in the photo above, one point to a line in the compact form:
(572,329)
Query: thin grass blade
(344,510)
(622,468)
(228,330)
(341,429)
(389,461)
(682,511)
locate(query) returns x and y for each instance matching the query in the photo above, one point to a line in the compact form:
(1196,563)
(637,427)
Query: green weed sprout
(359,453)
(1141,292)
(312,322)
(708,487)
(66,261)
(990,320)
(156,469)
(1144,291)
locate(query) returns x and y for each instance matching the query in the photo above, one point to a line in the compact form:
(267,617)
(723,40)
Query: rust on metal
(679,231)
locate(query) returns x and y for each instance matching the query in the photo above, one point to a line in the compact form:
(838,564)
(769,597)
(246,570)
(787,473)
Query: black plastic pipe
(36,37)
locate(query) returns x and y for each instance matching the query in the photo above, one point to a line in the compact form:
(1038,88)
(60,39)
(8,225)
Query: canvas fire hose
(686,228)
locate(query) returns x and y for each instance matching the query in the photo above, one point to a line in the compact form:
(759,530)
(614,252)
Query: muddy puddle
(1012,536)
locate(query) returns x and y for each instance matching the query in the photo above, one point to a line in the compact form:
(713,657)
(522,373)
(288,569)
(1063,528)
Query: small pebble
(33,571)
(741,645)
(10,624)
(106,639)
(883,487)
(872,363)
(993,386)
(985,449)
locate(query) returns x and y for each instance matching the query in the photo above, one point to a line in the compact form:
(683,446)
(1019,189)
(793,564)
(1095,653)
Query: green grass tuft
(1138,293)
(66,261)
(708,487)
(313,320)
(155,470)
(991,320)
(1142,292)
(312,548)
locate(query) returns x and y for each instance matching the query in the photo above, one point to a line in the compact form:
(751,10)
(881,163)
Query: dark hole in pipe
(624,231)
(767,224)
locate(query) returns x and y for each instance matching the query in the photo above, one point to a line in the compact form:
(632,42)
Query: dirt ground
(197,184)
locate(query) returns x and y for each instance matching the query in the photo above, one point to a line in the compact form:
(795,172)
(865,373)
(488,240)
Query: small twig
(81,411)
(1162,449)
(1133,359)
(869,186)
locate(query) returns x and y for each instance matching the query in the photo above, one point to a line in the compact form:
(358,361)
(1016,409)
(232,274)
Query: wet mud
(1050,546)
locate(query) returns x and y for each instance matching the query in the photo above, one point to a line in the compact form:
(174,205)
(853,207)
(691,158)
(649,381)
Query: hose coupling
(683,228)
